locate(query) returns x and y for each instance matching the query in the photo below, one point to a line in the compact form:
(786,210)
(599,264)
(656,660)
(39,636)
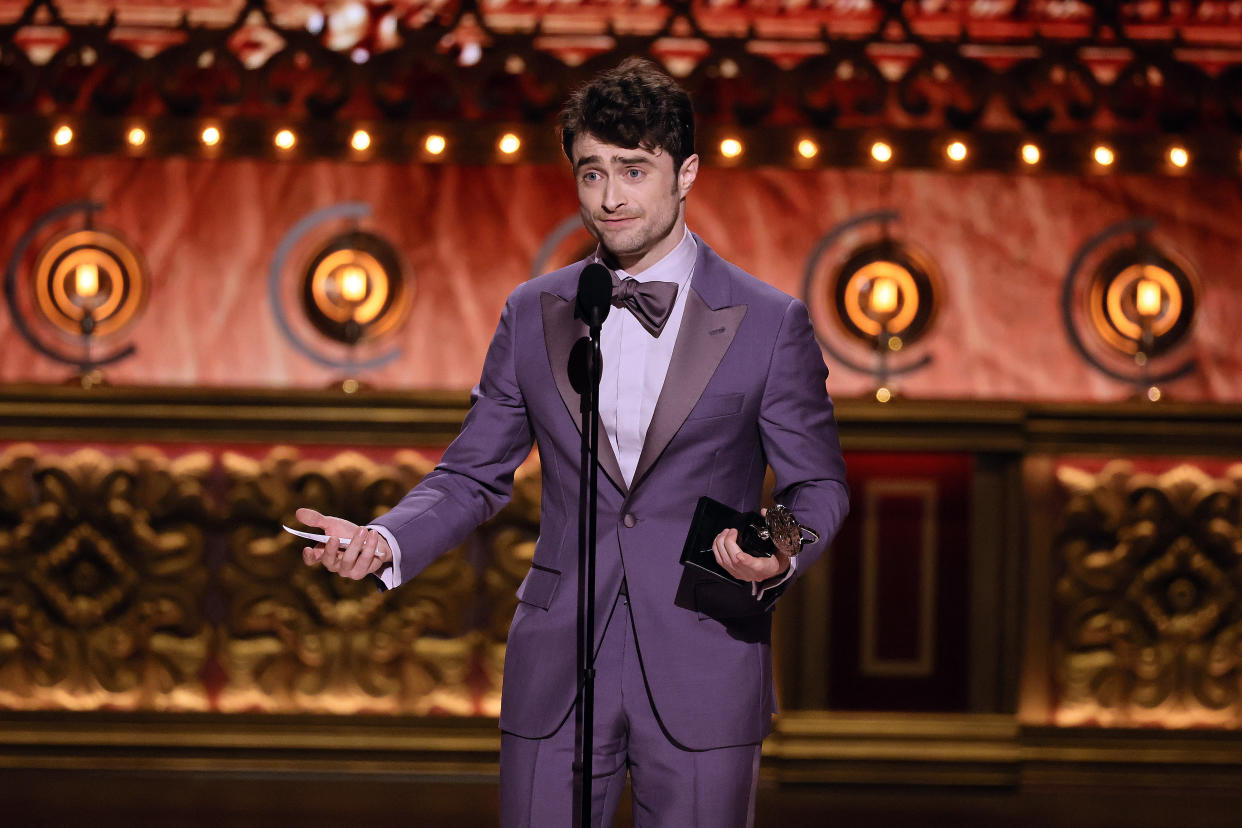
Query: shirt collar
(677,265)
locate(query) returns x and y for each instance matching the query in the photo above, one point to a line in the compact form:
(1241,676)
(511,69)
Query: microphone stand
(587,350)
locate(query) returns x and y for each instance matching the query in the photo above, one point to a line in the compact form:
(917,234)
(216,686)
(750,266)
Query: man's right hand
(367,551)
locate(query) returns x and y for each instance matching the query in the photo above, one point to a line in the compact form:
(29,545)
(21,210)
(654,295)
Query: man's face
(632,200)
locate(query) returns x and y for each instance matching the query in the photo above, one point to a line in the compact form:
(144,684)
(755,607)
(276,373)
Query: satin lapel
(560,332)
(704,337)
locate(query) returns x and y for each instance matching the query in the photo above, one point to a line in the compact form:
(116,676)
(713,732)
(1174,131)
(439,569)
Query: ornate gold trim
(805,747)
(433,418)
(119,414)
(357,744)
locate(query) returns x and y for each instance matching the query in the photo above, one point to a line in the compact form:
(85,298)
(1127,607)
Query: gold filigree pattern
(102,578)
(303,639)
(135,581)
(1152,625)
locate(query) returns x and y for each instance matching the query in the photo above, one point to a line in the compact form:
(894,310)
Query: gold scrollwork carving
(102,577)
(300,639)
(136,581)
(1152,622)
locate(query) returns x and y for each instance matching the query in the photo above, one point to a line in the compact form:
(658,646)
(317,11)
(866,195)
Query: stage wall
(1003,243)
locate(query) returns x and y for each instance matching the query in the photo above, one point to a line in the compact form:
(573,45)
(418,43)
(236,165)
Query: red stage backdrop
(1003,243)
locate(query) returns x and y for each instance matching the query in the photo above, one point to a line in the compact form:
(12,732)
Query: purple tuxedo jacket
(745,389)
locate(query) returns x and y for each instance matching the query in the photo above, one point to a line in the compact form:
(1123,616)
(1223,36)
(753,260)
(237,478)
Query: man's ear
(686,175)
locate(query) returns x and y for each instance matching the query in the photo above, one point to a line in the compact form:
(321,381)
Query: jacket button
(629,520)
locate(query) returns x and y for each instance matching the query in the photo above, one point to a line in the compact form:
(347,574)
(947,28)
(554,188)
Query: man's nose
(614,198)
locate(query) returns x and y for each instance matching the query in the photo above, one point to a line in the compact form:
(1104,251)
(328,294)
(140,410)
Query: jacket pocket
(539,586)
(719,405)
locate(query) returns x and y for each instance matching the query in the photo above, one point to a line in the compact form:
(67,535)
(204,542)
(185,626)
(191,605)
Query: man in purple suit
(710,376)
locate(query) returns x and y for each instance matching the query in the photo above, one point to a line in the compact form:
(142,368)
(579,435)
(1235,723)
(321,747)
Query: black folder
(711,517)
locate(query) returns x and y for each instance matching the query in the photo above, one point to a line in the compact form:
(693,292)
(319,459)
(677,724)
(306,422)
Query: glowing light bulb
(86,280)
(63,136)
(730,148)
(883,295)
(883,395)
(1178,156)
(136,137)
(360,140)
(510,143)
(353,14)
(1030,154)
(1148,297)
(881,152)
(353,282)
(471,53)
(1103,155)
(435,144)
(285,139)
(210,136)
(807,148)
(956,151)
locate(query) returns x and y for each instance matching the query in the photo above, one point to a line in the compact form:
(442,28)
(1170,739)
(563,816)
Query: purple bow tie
(650,302)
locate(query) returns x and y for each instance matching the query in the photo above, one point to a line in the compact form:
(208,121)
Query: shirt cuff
(389,573)
(758,591)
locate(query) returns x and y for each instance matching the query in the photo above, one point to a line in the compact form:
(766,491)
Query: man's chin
(621,246)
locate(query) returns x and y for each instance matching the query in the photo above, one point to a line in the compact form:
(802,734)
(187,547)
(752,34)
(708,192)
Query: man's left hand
(743,566)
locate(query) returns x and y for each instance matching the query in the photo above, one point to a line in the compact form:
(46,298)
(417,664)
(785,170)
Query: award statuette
(761,535)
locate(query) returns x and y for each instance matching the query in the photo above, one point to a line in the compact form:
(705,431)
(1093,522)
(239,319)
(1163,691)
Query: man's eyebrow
(624,160)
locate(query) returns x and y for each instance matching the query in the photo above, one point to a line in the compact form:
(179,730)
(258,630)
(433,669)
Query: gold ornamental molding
(416,747)
(152,414)
(811,747)
(433,418)
(135,580)
(102,573)
(1149,612)
(301,639)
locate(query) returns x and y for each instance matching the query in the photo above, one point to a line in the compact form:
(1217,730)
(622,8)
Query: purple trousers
(672,787)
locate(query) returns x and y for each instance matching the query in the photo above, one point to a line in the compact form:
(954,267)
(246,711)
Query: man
(710,376)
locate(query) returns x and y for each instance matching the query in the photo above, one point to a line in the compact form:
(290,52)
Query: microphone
(594,295)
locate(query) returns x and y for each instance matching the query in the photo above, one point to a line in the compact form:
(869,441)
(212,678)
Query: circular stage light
(1128,303)
(353,288)
(89,282)
(1140,291)
(886,289)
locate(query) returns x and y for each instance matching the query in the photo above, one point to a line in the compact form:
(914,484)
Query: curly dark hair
(634,105)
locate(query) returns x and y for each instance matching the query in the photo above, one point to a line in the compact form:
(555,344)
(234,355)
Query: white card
(324,539)
(311,536)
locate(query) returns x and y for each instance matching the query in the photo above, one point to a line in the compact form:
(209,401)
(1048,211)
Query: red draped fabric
(208,230)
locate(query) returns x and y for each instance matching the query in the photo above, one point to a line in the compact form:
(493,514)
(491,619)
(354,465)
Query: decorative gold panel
(1148,599)
(102,577)
(140,582)
(303,639)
